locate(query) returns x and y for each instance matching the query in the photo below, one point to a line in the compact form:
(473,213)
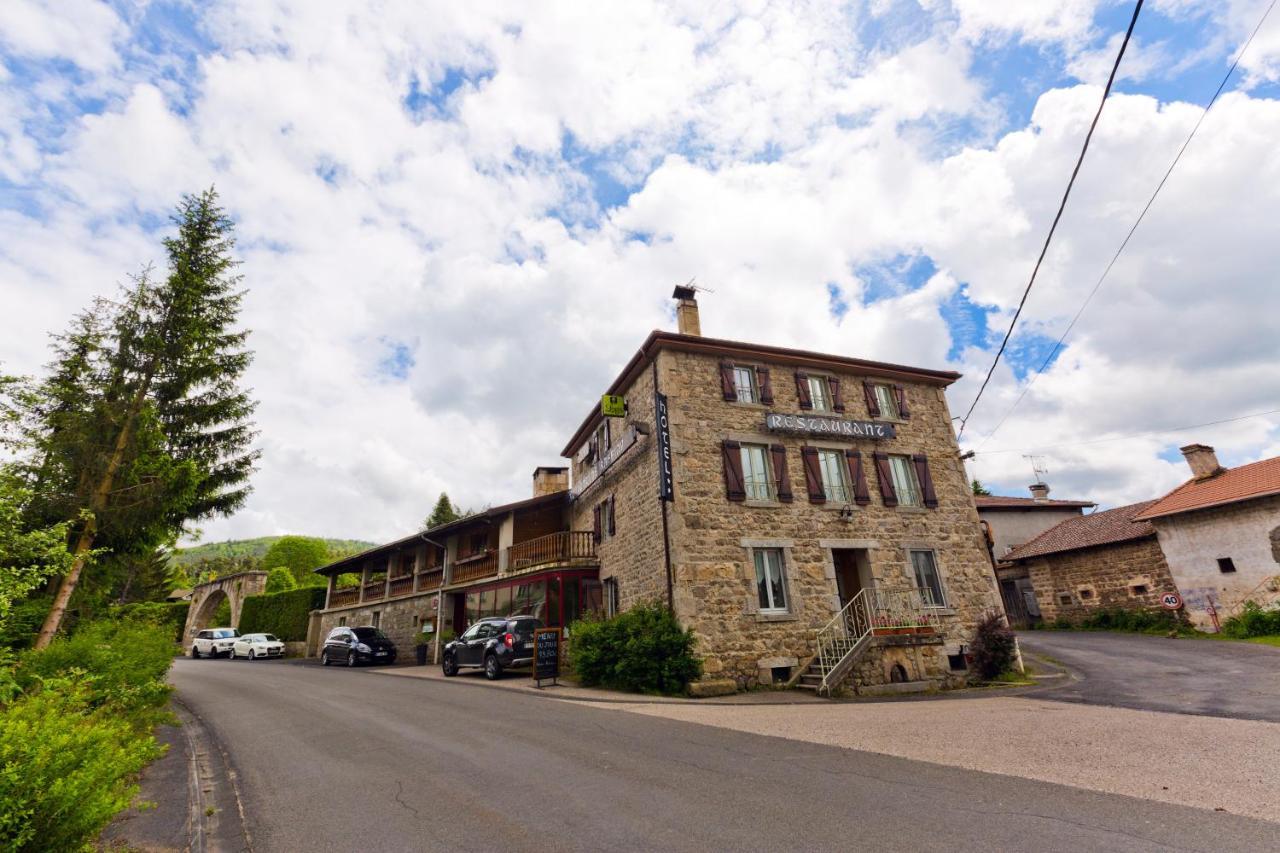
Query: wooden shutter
(858,477)
(837,396)
(766,387)
(731,454)
(613,518)
(595,523)
(781,478)
(873,405)
(813,475)
(802,390)
(727,386)
(903,411)
(887,492)
(926,480)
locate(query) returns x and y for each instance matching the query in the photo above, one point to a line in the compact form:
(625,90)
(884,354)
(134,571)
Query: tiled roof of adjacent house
(1087,531)
(1255,480)
(1010,502)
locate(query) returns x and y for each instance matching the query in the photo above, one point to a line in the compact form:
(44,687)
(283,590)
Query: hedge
(643,650)
(284,614)
(165,613)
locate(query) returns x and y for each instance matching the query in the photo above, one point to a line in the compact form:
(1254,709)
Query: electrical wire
(1057,217)
(1124,437)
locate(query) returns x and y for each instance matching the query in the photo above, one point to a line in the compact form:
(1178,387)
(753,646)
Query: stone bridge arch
(206,597)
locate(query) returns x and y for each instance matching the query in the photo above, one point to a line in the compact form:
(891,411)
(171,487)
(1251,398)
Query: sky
(458,221)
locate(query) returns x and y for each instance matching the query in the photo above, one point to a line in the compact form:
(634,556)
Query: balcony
(343,597)
(565,547)
(401,586)
(373,591)
(475,567)
(430,578)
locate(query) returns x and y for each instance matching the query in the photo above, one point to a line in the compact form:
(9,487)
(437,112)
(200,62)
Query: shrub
(280,579)
(643,650)
(172,614)
(1062,623)
(993,647)
(1144,620)
(1253,621)
(285,614)
(18,630)
(66,766)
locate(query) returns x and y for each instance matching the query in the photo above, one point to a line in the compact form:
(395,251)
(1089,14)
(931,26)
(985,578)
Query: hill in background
(255,549)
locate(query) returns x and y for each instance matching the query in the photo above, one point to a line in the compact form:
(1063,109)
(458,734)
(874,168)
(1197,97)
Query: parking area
(1183,676)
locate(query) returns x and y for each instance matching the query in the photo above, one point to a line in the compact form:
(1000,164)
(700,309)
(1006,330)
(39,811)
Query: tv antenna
(1037,466)
(692,284)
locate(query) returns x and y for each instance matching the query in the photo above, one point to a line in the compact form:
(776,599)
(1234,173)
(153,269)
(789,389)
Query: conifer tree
(443,513)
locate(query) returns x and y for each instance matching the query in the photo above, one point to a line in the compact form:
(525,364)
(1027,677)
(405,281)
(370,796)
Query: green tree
(300,555)
(141,426)
(280,579)
(28,557)
(443,513)
(978,488)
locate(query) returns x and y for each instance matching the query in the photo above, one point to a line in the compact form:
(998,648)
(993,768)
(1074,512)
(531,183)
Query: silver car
(213,642)
(255,646)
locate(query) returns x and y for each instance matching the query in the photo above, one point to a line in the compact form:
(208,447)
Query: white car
(213,642)
(254,646)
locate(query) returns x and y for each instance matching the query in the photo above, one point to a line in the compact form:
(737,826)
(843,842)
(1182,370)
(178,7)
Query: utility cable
(1123,437)
(1057,217)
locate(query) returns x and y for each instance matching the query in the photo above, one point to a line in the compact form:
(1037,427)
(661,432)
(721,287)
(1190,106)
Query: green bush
(67,766)
(19,628)
(1253,621)
(165,613)
(1062,623)
(1142,621)
(280,579)
(993,647)
(642,650)
(284,614)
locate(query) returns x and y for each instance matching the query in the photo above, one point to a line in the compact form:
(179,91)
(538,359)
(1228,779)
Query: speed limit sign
(1171,601)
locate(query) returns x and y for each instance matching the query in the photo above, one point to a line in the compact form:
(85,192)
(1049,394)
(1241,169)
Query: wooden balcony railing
(343,597)
(373,591)
(473,568)
(565,546)
(402,586)
(430,579)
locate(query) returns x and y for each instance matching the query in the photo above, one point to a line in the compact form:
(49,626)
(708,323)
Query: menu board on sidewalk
(546,655)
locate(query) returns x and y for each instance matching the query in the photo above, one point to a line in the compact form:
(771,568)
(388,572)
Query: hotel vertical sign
(666,483)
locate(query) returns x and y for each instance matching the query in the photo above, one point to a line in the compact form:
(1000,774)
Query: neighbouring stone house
(1220,534)
(1095,561)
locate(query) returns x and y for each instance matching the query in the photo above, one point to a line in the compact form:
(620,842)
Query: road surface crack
(400,798)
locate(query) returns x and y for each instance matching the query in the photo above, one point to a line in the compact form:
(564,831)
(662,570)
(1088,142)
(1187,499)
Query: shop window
(744,384)
(756,480)
(488,598)
(592,597)
(905,484)
(1226,565)
(925,567)
(572,603)
(553,603)
(770,585)
(502,606)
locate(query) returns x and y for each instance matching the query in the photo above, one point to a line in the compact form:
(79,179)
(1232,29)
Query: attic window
(1226,565)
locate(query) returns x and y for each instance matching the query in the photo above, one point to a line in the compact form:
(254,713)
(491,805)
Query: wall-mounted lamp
(846,512)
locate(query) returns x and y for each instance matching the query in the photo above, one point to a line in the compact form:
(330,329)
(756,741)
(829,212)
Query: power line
(1124,437)
(1124,243)
(1058,216)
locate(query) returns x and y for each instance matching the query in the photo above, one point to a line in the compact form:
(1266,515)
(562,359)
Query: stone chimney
(687,322)
(1040,491)
(1202,459)
(547,480)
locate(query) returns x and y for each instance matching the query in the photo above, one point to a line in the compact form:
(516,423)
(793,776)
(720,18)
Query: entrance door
(853,572)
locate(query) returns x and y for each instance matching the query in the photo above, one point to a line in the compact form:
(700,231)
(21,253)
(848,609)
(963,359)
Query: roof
(338,566)
(659,340)
(1245,482)
(1088,531)
(1019,503)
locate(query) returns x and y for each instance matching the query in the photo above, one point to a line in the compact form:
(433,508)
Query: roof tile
(1255,480)
(1087,531)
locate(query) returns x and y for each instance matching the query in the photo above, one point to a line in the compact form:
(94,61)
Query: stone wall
(1107,576)
(1194,541)
(400,619)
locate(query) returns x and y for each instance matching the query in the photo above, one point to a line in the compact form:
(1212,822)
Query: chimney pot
(1202,460)
(1040,491)
(687,322)
(548,480)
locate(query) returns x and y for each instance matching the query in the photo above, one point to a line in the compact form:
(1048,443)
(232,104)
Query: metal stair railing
(843,640)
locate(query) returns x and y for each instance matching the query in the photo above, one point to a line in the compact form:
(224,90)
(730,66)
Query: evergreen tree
(142,426)
(978,488)
(443,513)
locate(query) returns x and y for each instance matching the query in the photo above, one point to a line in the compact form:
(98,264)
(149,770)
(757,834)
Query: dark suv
(357,645)
(494,644)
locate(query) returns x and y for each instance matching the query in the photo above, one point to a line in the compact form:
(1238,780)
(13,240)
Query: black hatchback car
(357,645)
(493,644)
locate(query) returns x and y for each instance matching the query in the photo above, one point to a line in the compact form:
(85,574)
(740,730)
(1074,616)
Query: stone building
(1096,561)
(1220,533)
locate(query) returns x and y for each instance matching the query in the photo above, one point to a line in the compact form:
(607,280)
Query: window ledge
(884,420)
(747,405)
(917,510)
(776,617)
(762,504)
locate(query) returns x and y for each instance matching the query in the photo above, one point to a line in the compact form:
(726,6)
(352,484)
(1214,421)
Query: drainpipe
(444,573)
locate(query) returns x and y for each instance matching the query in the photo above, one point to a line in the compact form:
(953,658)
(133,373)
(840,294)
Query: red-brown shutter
(857,476)
(903,411)
(595,523)
(781,479)
(813,475)
(873,405)
(731,454)
(613,517)
(802,390)
(766,387)
(727,386)
(887,493)
(837,396)
(926,480)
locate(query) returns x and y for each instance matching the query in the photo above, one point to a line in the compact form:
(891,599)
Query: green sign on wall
(613,406)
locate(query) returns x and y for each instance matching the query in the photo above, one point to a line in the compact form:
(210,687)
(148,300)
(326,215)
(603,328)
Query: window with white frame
(820,393)
(770,586)
(904,480)
(835,479)
(756,481)
(925,567)
(744,383)
(887,400)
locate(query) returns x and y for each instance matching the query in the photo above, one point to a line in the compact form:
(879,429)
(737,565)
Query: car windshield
(370,634)
(224,634)
(270,638)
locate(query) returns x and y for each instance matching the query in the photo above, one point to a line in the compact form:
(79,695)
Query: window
(887,401)
(925,568)
(770,588)
(820,393)
(602,439)
(904,480)
(1064,598)
(1226,565)
(1085,593)
(342,620)
(611,597)
(1138,589)
(835,482)
(376,618)
(744,383)
(756,481)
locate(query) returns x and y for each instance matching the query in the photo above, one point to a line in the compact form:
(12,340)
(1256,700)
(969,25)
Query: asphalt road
(337,759)
(1214,678)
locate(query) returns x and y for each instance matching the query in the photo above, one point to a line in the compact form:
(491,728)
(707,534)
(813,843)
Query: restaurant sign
(807,425)
(605,460)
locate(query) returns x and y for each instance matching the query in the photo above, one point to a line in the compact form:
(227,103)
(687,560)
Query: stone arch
(206,597)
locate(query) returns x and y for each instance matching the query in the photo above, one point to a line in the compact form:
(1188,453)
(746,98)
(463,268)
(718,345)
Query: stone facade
(399,618)
(712,538)
(1127,575)
(1193,542)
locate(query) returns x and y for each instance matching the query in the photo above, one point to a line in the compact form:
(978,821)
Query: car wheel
(492,669)
(324,658)
(351,658)
(252,656)
(450,666)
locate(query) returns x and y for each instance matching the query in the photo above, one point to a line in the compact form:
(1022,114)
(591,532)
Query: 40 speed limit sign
(1171,601)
